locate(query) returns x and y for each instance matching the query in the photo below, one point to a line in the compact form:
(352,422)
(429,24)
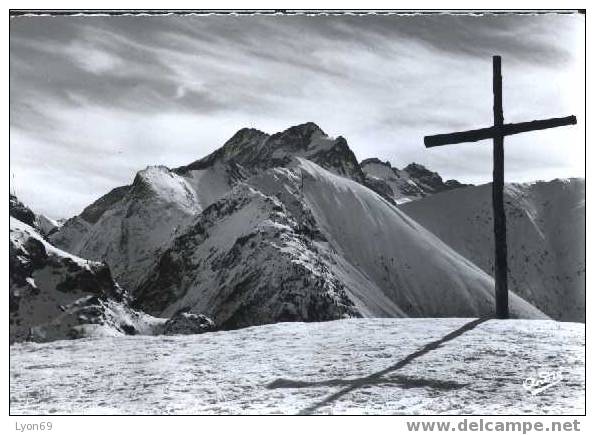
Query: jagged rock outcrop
(429,181)
(402,185)
(188,323)
(42,224)
(20,211)
(252,148)
(47,284)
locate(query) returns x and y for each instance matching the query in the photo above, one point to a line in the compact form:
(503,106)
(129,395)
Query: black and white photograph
(297,212)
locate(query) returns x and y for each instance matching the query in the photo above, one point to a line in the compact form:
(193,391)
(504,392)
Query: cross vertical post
(500,263)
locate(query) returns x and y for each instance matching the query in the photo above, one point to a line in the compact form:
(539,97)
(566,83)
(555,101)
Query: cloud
(102,97)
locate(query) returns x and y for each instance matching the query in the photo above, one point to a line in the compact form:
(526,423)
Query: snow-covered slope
(56,295)
(546,239)
(404,185)
(302,243)
(212,182)
(291,368)
(420,274)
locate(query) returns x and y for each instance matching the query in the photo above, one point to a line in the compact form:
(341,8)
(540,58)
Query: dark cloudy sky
(95,99)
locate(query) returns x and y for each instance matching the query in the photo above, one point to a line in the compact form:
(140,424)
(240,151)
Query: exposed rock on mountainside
(254,149)
(42,224)
(188,323)
(45,225)
(46,282)
(429,181)
(93,212)
(404,185)
(20,211)
(546,238)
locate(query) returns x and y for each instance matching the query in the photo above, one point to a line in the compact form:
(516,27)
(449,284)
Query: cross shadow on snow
(400,380)
(378,377)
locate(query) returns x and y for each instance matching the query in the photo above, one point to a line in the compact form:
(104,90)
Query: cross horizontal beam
(491,132)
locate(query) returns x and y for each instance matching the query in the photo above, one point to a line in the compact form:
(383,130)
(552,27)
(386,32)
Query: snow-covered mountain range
(283,227)
(273,250)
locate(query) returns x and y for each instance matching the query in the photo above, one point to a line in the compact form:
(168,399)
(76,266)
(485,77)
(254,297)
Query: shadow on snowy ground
(378,377)
(401,381)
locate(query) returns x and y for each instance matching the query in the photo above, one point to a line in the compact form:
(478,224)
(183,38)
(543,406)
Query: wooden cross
(497,133)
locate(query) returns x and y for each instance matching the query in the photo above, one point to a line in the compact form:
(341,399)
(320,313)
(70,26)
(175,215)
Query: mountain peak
(163,183)
(147,176)
(253,148)
(298,137)
(246,134)
(307,128)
